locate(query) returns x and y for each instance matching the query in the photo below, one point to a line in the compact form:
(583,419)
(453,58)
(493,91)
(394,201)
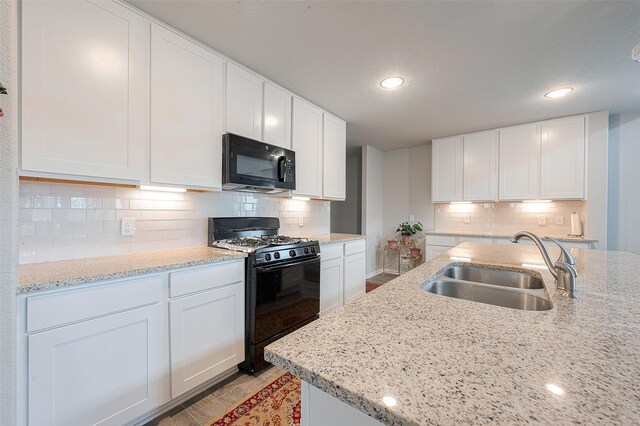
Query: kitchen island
(404,356)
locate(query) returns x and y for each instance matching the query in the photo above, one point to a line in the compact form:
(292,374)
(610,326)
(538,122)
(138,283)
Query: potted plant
(406,230)
(392,244)
(415,252)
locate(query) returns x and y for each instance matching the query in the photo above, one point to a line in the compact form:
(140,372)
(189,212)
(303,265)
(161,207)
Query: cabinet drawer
(332,251)
(353,247)
(205,277)
(441,240)
(64,307)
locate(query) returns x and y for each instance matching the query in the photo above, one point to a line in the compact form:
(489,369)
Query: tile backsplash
(508,217)
(65,221)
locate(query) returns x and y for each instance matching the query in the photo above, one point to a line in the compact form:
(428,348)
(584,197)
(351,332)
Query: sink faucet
(562,269)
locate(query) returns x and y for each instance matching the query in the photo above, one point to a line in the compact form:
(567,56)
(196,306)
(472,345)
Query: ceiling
(468,66)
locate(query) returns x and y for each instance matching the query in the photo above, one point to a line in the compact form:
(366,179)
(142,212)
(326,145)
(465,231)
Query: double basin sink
(510,289)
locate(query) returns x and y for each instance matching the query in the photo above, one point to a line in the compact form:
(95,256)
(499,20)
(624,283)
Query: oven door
(250,163)
(285,296)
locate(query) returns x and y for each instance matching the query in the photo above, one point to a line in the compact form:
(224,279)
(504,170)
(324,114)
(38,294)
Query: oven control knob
(313,249)
(267,257)
(306,250)
(276,255)
(292,253)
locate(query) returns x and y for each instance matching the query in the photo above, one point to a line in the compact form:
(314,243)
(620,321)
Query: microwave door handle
(281,168)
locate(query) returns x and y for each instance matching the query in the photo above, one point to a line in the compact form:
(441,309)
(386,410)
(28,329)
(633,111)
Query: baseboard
(374,273)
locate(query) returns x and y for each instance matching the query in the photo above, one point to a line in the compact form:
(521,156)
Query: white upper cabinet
(277,116)
(334,158)
(480,166)
(187,110)
(244,103)
(563,159)
(85,73)
(520,162)
(446,169)
(306,141)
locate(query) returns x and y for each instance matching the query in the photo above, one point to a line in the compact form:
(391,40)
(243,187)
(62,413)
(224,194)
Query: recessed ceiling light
(392,82)
(558,93)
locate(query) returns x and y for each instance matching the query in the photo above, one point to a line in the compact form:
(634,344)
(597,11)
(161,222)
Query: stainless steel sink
(486,293)
(510,289)
(494,276)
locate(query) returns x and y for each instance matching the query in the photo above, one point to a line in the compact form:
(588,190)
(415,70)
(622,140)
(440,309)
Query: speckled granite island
(404,356)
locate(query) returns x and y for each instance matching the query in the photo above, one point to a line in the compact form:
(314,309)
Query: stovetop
(251,244)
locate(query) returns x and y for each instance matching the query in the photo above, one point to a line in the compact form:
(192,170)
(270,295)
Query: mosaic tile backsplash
(67,221)
(508,217)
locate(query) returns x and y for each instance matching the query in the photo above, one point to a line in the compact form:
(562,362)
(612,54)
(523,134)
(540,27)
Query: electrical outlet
(301,221)
(467,219)
(542,220)
(559,220)
(412,218)
(128,226)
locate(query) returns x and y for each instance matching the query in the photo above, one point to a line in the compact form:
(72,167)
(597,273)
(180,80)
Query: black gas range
(282,278)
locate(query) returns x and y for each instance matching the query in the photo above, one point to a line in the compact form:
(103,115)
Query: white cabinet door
(187,102)
(354,276)
(243,103)
(563,159)
(446,169)
(480,167)
(331,285)
(207,336)
(520,163)
(306,141)
(277,116)
(435,251)
(85,73)
(106,371)
(334,158)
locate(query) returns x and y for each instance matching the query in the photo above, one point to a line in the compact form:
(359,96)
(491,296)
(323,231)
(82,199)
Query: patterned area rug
(277,404)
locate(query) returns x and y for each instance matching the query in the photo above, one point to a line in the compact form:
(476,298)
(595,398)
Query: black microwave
(253,166)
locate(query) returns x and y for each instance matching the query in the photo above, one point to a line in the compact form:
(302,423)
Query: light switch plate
(559,220)
(301,221)
(128,226)
(467,219)
(542,220)
(412,218)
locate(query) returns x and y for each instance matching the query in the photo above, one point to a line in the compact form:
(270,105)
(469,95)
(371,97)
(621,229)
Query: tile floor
(217,399)
(382,278)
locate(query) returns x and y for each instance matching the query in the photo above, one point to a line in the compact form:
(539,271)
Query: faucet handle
(567,280)
(565,256)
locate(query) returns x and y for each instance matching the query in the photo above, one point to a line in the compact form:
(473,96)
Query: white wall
(65,221)
(624,182)
(8,209)
(397,184)
(407,190)
(372,205)
(346,216)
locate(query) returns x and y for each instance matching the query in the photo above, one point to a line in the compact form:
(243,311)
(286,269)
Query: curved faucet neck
(543,250)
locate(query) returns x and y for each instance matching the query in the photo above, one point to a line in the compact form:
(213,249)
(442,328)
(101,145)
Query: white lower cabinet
(435,251)
(331,281)
(106,371)
(355,284)
(207,336)
(342,274)
(117,352)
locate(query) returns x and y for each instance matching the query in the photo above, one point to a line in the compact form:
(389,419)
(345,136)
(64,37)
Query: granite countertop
(333,238)
(447,360)
(64,273)
(564,238)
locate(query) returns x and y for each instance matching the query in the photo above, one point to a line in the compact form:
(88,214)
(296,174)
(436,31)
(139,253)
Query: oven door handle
(284,265)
